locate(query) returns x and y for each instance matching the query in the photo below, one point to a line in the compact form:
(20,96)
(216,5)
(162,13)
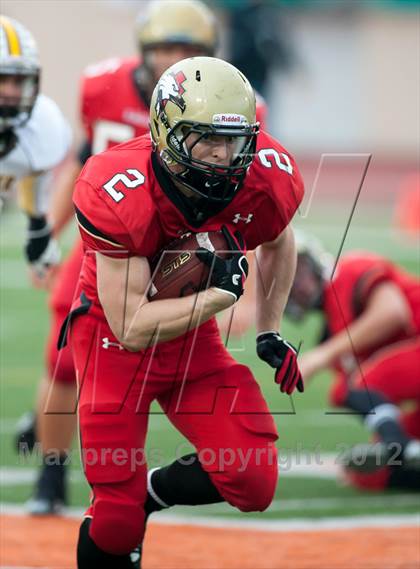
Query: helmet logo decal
(229,119)
(170,88)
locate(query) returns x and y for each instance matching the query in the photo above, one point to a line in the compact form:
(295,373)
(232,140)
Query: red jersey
(356,276)
(125,203)
(113,107)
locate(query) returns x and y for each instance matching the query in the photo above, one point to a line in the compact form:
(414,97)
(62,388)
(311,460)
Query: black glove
(41,250)
(229,274)
(283,356)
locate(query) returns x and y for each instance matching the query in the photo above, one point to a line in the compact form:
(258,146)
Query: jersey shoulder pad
(46,137)
(131,155)
(275,172)
(355,264)
(98,78)
(113,195)
(99,83)
(357,274)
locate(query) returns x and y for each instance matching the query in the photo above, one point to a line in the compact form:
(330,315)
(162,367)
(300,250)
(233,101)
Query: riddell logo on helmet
(229,119)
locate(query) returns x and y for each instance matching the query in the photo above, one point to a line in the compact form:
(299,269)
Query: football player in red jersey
(203,166)
(114,104)
(372,341)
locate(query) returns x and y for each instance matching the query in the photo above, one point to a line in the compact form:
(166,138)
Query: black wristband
(37,223)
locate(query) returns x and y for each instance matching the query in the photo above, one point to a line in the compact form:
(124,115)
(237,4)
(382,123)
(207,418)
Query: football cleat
(50,494)
(25,435)
(411,455)
(366,458)
(135,557)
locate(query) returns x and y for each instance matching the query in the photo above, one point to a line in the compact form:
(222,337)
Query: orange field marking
(50,542)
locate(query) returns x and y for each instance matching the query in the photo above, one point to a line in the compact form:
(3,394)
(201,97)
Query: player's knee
(117,528)
(259,487)
(251,486)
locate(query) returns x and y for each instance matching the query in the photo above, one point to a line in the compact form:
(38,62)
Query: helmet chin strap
(186,191)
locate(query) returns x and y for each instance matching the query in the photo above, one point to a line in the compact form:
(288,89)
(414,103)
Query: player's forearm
(368,331)
(163,320)
(137,323)
(61,209)
(275,269)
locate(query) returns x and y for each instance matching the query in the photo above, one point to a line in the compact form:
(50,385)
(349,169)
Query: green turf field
(302,421)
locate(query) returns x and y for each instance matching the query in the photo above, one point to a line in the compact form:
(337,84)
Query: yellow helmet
(19,58)
(209,97)
(177,22)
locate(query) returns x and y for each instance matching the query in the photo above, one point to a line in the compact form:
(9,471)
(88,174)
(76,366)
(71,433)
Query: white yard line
(348,502)
(306,504)
(282,506)
(293,524)
(10,476)
(306,465)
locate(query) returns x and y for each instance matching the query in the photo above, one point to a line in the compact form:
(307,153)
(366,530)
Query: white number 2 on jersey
(282,160)
(116,195)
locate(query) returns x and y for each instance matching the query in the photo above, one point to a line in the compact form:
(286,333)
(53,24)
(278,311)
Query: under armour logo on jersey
(238,217)
(106,344)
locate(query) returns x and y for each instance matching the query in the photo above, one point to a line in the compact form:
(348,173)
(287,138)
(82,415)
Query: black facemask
(215,183)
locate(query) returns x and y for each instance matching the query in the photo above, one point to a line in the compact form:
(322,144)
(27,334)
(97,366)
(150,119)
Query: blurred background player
(372,341)
(115,97)
(34,139)
(259,40)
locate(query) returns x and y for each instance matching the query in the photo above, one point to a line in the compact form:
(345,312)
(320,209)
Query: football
(177,271)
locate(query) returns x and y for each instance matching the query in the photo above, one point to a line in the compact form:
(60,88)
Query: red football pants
(60,363)
(394,372)
(211,399)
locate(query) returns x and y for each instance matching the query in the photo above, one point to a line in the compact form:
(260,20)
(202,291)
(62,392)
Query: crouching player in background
(372,324)
(203,164)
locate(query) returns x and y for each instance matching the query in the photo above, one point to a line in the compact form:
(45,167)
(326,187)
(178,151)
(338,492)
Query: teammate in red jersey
(114,106)
(372,315)
(205,168)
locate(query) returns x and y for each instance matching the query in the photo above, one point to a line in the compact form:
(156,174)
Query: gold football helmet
(187,22)
(19,64)
(208,97)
